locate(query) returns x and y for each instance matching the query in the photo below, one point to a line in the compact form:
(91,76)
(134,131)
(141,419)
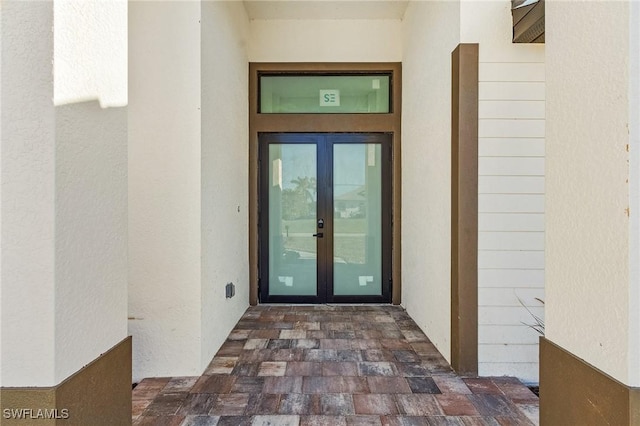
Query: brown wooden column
(464,209)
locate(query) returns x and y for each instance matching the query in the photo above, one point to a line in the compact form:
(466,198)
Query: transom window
(325,94)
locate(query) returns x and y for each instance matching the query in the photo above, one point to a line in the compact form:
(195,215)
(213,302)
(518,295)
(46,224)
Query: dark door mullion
(322,208)
(328,190)
(387,217)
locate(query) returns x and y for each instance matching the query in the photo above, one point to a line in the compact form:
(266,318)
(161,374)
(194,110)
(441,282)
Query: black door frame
(325,283)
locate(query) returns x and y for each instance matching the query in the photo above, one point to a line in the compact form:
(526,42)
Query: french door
(325,217)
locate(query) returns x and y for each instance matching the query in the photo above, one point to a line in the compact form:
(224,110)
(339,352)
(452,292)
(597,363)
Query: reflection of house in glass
(351,204)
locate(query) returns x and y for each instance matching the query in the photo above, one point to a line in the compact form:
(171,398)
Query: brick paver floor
(331,365)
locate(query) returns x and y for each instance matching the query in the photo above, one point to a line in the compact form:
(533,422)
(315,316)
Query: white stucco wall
(225,142)
(28,191)
(91,181)
(431,33)
(96,32)
(341,40)
(634,196)
(587,235)
(0,198)
(90,233)
(164,188)
(64,207)
(511,190)
(188,181)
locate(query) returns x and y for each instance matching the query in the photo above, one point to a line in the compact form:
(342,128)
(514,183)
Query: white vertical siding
(511,213)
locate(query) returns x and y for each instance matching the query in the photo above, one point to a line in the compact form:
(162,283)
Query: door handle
(319,235)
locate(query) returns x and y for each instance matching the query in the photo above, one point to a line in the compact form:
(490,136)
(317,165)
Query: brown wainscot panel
(98,394)
(573,392)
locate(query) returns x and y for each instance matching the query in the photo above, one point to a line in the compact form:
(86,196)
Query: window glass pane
(324,94)
(357,204)
(292,220)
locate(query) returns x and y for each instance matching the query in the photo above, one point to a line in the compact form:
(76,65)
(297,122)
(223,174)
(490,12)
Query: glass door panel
(292,220)
(325,218)
(357,207)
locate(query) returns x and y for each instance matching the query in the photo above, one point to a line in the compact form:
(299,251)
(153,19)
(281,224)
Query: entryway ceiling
(325,9)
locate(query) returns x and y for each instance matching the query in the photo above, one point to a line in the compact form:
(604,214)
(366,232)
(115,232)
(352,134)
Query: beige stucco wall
(188,148)
(28,191)
(64,206)
(336,40)
(431,33)
(91,233)
(634,187)
(587,202)
(224,189)
(90,46)
(164,188)
(90,79)
(1,126)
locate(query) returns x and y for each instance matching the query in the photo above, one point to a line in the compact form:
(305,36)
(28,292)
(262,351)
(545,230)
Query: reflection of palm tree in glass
(298,214)
(299,202)
(307,186)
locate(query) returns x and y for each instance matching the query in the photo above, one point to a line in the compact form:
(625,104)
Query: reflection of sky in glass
(349,165)
(298,161)
(348,168)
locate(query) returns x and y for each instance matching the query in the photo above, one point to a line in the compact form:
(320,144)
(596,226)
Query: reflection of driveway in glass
(306,255)
(337,234)
(349,247)
(295,256)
